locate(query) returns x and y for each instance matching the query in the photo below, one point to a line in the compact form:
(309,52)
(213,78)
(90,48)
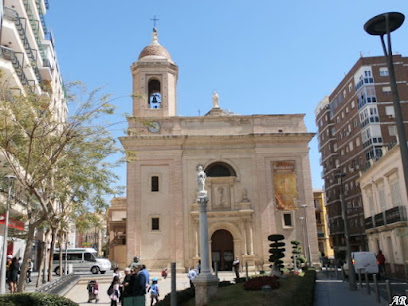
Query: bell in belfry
(154,100)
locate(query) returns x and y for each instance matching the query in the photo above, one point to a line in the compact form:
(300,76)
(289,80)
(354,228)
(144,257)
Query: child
(115,295)
(117,273)
(154,291)
(29,270)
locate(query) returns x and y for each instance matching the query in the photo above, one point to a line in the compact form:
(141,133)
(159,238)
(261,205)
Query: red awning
(12,223)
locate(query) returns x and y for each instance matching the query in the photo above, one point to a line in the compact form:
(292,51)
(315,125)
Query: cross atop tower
(154,19)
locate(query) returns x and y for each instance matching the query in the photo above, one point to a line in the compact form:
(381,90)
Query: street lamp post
(352,276)
(382,25)
(308,254)
(9,179)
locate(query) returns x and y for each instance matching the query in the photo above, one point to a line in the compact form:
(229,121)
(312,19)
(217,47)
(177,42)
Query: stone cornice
(178,142)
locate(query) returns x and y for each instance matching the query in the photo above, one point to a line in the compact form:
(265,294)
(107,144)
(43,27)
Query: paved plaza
(79,294)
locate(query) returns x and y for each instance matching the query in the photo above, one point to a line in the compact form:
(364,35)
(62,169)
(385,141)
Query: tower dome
(155,49)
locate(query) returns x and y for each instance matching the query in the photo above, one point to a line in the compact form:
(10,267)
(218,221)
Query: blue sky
(261,56)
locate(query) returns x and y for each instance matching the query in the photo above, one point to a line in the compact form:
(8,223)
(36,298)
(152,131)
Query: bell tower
(154,82)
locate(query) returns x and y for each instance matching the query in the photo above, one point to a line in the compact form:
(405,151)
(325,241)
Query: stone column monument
(206,284)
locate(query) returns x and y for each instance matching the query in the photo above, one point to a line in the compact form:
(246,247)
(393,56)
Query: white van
(366,261)
(82,260)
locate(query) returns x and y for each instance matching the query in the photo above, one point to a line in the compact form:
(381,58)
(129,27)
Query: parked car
(366,261)
(82,260)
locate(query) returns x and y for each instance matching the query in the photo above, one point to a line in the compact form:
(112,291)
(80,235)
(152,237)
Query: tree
(277,252)
(60,162)
(296,251)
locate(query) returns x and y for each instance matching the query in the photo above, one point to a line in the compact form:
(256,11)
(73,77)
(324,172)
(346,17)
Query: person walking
(199,267)
(164,273)
(381,263)
(13,274)
(126,289)
(191,276)
(154,291)
(235,264)
(138,287)
(147,275)
(8,264)
(29,270)
(114,297)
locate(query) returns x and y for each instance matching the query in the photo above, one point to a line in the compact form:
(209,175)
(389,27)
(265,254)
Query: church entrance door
(222,250)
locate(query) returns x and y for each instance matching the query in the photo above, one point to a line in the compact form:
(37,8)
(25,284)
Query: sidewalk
(30,287)
(330,291)
(79,294)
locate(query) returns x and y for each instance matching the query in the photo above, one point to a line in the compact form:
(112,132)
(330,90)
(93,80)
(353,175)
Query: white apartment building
(385,210)
(28,63)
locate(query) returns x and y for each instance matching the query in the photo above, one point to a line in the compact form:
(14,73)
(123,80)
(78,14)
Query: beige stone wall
(174,158)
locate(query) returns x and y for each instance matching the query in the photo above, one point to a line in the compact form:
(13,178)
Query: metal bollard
(359,278)
(246,271)
(377,292)
(367,282)
(216,268)
(337,272)
(389,291)
(173,297)
(343,277)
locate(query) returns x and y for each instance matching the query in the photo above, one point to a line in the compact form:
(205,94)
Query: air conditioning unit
(391,116)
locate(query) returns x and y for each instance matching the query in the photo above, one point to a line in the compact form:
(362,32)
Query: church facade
(257,167)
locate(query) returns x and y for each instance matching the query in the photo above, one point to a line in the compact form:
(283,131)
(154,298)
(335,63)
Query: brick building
(355,122)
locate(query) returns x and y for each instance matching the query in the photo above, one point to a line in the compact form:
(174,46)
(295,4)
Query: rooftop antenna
(154,19)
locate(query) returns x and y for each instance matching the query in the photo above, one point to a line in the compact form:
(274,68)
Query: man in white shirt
(191,275)
(235,264)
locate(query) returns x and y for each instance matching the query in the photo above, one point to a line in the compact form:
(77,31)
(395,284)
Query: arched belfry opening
(219,169)
(155,96)
(222,250)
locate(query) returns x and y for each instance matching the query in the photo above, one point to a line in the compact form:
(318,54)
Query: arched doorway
(222,250)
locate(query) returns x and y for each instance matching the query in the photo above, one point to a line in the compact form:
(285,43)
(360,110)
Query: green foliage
(296,253)
(34,299)
(182,296)
(276,251)
(60,161)
(257,283)
(224,284)
(304,293)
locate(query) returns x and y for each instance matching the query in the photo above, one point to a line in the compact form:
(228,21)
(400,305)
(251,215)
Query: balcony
(364,82)
(388,217)
(10,55)
(20,27)
(395,214)
(379,219)
(35,26)
(370,119)
(369,223)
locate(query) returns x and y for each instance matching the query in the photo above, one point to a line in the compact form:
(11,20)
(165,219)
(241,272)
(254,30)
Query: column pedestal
(206,286)
(205,283)
(250,259)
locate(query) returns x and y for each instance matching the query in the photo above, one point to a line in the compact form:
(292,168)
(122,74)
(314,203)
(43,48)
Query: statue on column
(201,177)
